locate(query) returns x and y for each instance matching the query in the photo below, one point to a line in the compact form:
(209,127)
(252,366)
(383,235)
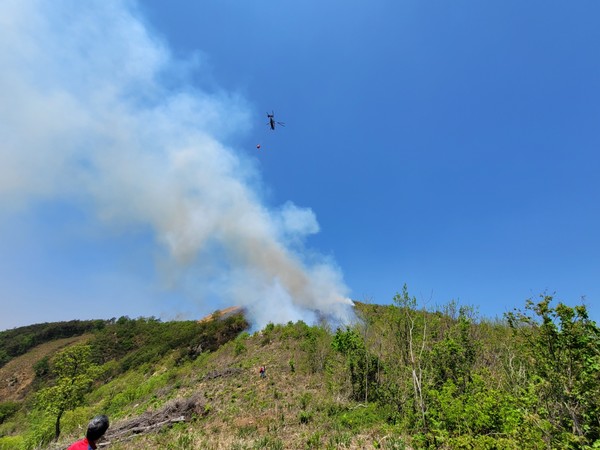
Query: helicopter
(272,121)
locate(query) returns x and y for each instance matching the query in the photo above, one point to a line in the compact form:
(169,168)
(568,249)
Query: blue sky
(451,146)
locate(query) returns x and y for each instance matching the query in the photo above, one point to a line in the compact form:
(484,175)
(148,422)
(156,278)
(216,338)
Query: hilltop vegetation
(19,341)
(402,377)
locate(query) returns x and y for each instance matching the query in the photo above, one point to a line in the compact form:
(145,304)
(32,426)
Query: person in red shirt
(95,430)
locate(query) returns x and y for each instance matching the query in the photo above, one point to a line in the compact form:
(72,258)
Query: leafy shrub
(361,417)
(239,347)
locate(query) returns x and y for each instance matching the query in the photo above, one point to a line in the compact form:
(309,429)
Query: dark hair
(96,428)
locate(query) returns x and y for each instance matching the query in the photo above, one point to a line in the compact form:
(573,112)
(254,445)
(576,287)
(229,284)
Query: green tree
(74,373)
(411,333)
(564,345)
(317,346)
(361,364)
(453,357)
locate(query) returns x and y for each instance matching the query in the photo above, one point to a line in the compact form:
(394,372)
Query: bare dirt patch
(17,375)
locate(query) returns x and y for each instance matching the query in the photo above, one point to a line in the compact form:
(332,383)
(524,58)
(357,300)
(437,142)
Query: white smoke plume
(91,114)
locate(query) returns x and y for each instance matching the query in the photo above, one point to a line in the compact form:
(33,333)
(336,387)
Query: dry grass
(246,411)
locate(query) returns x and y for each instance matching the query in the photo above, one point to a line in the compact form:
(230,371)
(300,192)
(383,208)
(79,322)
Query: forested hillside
(401,377)
(18,341)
